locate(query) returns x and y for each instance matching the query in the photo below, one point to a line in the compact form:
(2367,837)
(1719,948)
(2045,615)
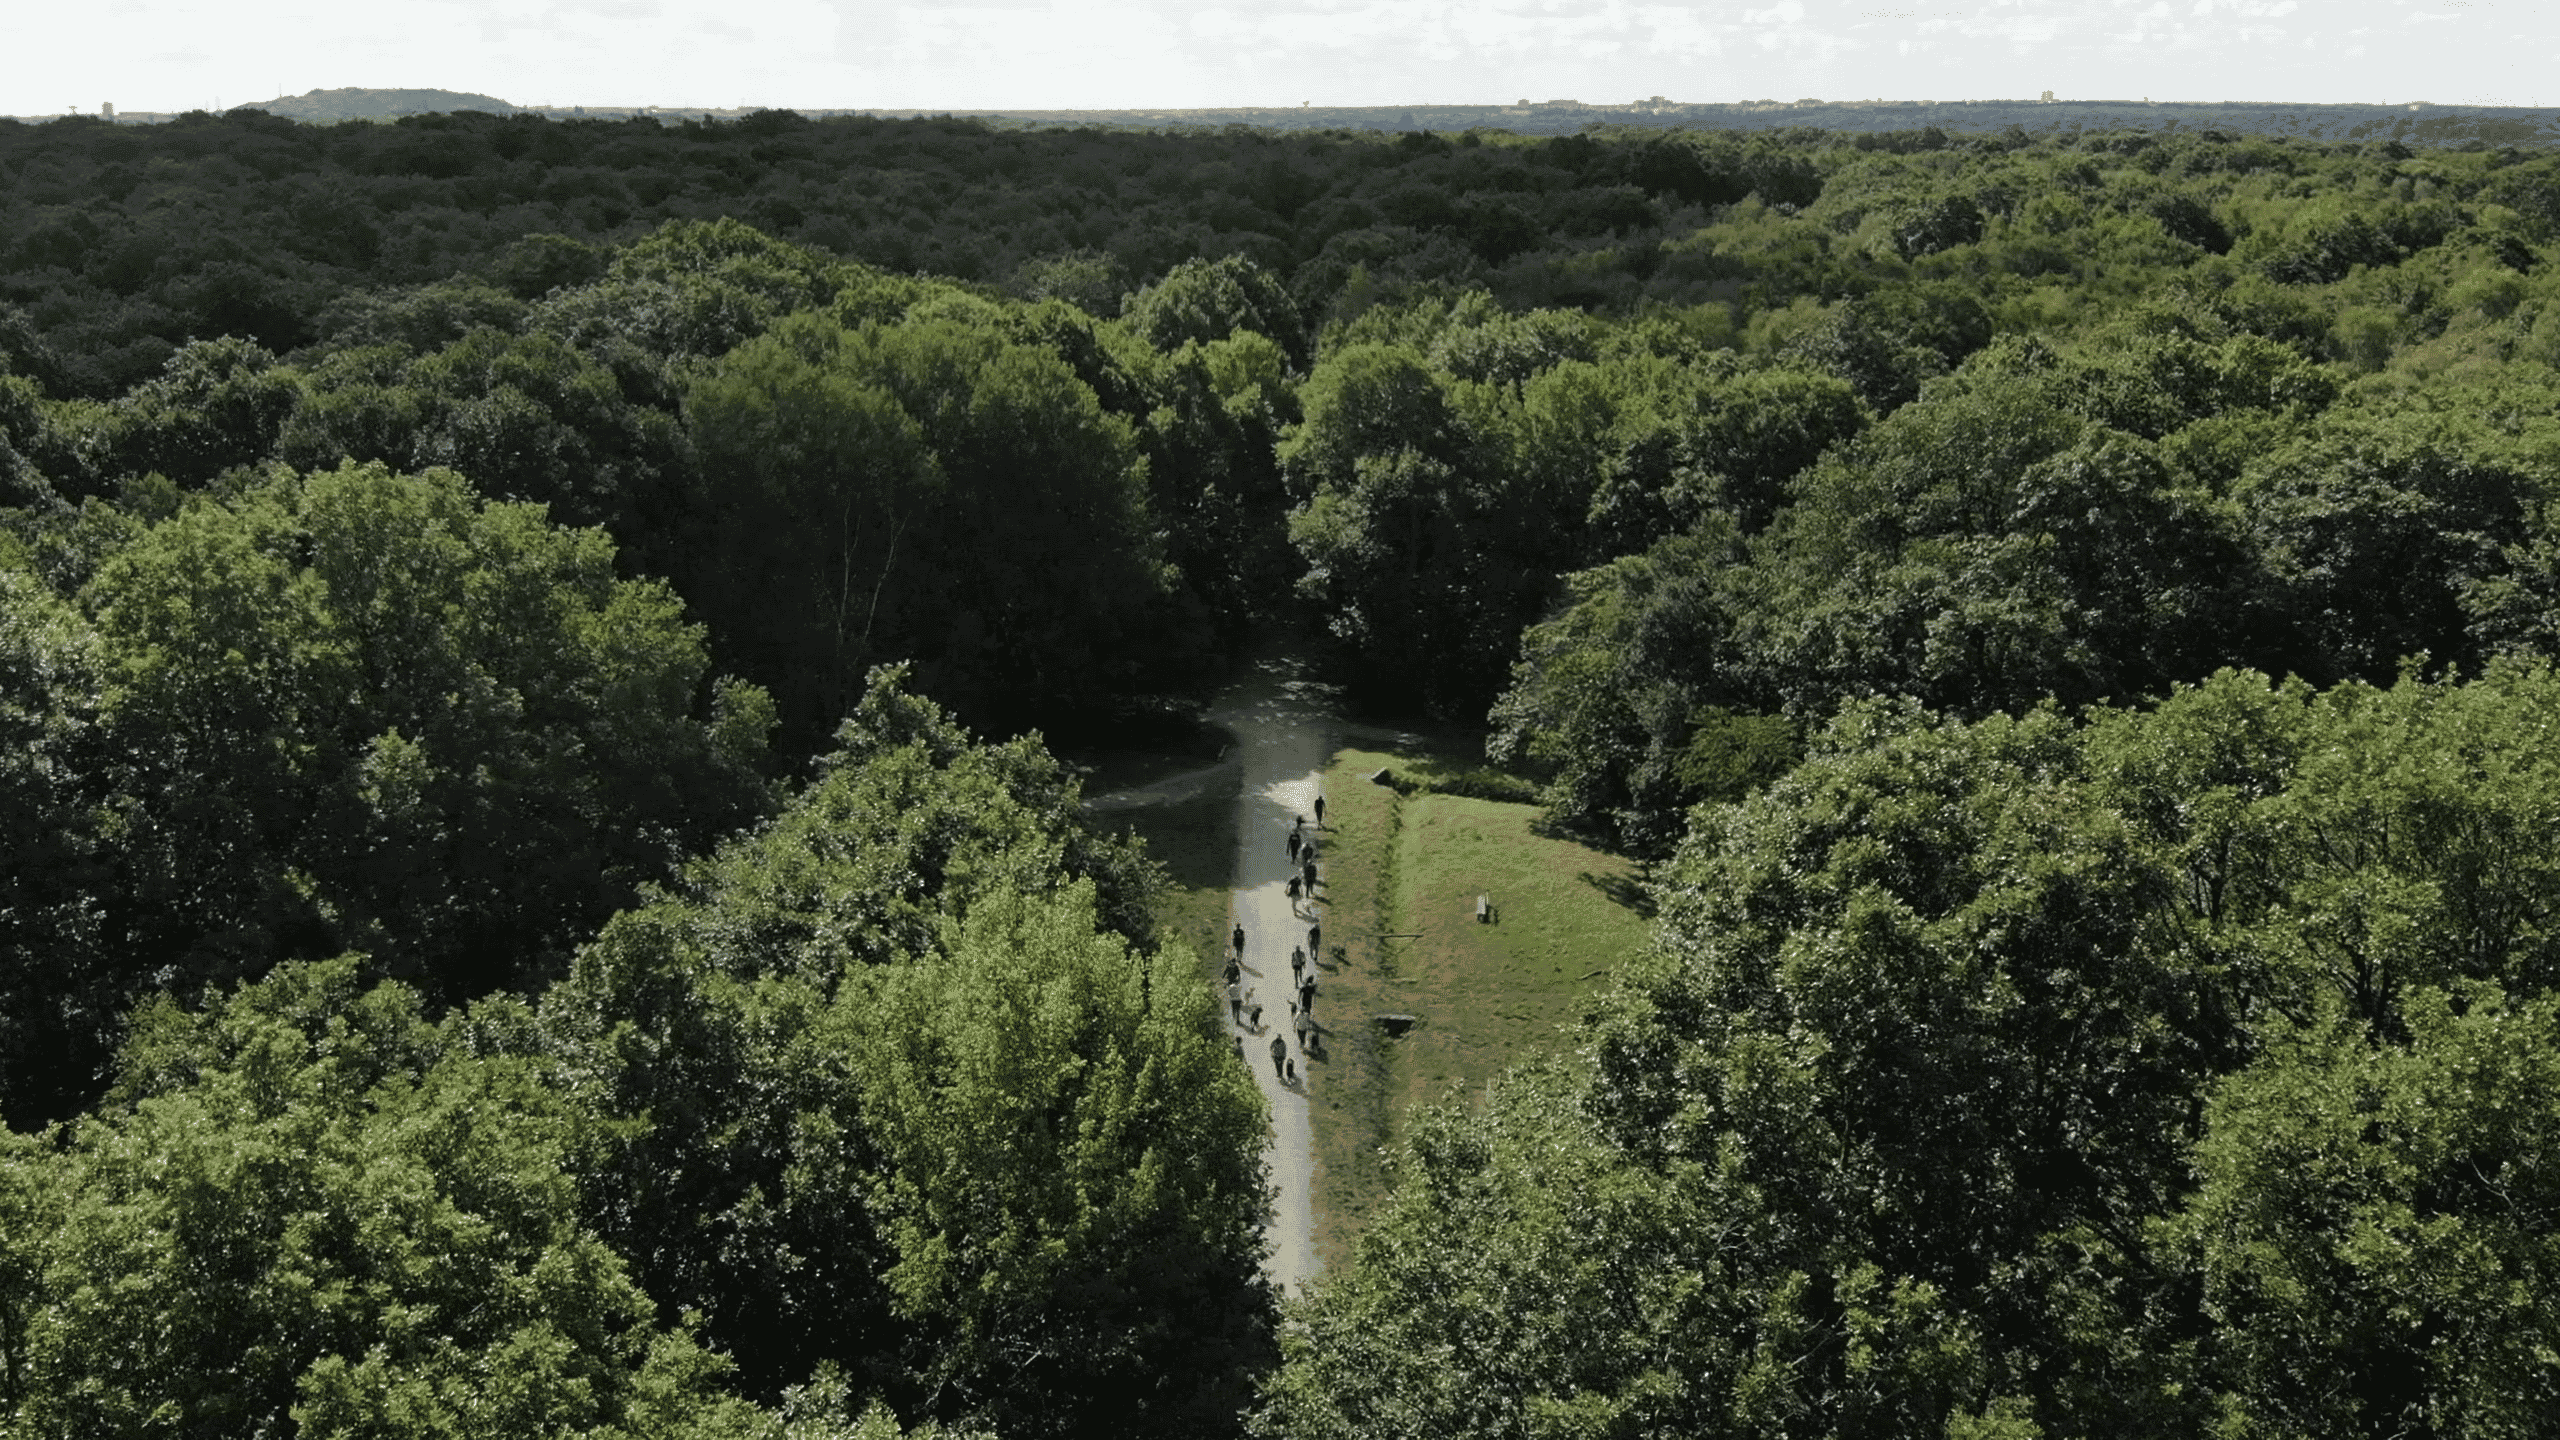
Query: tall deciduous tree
(1205,300)
(818,478)
(991,523)
(891,1089)
(364,710)
(1425,549)
(2374,1224)
(310,1211)
(1626,702)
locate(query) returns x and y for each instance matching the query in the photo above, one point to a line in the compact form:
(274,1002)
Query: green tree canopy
(930,491)
(310,1211)
(2373,1224)
(2176,1068)
(1205,300)
(890,1087)
(355,709)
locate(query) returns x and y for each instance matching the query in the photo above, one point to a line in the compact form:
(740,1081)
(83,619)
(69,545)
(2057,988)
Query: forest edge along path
(1283,731)
(1282,723)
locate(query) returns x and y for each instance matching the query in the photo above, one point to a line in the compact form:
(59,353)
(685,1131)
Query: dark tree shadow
(1625,890)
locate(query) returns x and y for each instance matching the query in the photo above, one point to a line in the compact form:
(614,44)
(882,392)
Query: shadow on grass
(1359,1131)
(1625,891)
(1194,840)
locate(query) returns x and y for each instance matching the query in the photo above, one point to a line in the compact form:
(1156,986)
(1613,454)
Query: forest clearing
(1404,939)
(1482,996)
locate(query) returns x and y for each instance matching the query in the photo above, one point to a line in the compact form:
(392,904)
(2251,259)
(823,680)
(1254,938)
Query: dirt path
(1283,724)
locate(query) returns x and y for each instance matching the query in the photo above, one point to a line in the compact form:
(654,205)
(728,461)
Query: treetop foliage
(855,1113)
(345,709)
(509,923)
(898,1052)
(2026,1075)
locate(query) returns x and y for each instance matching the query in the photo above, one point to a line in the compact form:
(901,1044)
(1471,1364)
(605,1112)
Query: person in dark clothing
(1235,971)
(1253,1014)
(1293,889)
(1309,870)
(1293,847)
(1319,812)
(1307,995)
(1315,944)
(1239,939)
(1279,1055)
(1297,961)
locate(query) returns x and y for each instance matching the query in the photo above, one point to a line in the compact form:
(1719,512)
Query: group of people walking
(1302,857)
(1243,1005)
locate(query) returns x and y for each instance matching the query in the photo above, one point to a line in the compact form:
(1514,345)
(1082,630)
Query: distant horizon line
(1638,105)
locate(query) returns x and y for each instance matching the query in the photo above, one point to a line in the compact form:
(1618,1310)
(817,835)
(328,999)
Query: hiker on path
(1253,1013)
(1239,939)
(1293,847)
(1235,1001)
(1310,872)
(1297,961)
(1297,823)
(1293,889)
(1319,812)
(1279,1055)
(1307,995)
(1315,944)
(1235,972)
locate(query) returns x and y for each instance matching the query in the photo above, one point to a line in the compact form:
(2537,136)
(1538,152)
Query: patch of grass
(1488,993)
(1350,1121)
(1442,774)
(1402,876)
(1105,769)
(1195,840)
(1426,759)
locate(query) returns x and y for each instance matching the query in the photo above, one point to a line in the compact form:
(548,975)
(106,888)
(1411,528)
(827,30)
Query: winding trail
(1283,724)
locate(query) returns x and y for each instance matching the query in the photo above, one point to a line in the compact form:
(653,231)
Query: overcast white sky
(1097,54)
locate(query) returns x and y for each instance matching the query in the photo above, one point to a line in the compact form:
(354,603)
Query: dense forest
(533,905)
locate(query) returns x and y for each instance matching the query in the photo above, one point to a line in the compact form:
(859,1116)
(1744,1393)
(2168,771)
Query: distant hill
(354,103)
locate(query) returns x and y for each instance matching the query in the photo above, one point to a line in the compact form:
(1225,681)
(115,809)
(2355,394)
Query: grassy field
(1401,936)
